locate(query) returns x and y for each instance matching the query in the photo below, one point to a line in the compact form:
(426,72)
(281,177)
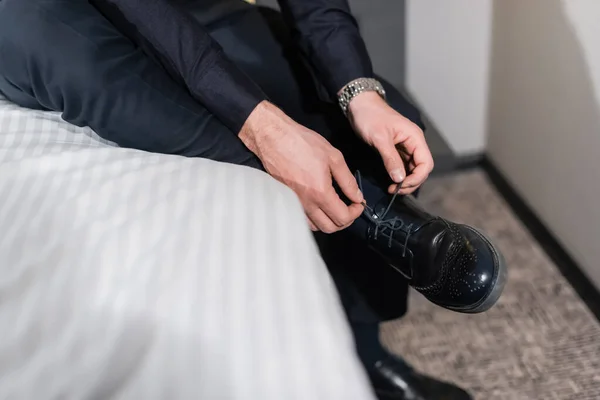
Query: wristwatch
(356,87)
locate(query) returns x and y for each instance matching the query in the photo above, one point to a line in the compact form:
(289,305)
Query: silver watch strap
(356,87)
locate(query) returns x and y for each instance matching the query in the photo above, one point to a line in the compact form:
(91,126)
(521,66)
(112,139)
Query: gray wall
(544,124)
(448,59)
(382,25)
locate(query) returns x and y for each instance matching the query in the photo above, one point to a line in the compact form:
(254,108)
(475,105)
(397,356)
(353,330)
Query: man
(230,82)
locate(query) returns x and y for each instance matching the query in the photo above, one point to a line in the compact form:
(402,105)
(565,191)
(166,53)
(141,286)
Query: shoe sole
(500,277)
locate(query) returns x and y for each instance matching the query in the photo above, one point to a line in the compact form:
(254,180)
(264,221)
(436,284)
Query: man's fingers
(322,222)
(404,190)
(337,210)
(311,224)
(392,160)
(417,176)
(423,165)
(355,210)
(344,178)
(412,182)
(416,152)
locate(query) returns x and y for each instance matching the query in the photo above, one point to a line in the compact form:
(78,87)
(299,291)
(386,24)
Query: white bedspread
(130,275)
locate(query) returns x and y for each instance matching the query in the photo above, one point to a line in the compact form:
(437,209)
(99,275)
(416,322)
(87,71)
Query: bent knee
(37,49)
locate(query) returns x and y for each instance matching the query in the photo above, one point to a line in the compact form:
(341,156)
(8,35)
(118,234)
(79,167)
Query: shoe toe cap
(480,272)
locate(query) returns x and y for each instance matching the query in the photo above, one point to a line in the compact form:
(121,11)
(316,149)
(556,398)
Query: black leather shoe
(454,266)
(392,379)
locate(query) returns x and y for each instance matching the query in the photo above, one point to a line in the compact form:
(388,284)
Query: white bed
(130,275)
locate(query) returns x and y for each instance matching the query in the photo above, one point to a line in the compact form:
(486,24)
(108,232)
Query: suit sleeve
(187,51)
(329,37)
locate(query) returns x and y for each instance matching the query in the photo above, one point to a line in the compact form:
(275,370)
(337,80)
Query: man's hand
(306,162)
(400,142)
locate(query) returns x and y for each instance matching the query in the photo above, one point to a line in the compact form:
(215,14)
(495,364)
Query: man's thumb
(393,162)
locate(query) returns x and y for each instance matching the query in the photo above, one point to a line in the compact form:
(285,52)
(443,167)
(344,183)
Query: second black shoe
(453,265)
(393,379)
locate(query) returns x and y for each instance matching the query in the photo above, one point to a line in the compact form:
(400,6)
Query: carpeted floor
(539,342)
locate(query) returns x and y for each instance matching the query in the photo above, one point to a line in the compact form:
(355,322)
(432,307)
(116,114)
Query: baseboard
(459,163)
(561,258)
(469,161)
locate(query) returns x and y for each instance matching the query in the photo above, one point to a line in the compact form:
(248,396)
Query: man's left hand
(398,140)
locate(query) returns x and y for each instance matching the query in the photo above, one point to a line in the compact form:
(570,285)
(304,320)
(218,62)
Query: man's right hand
(306,162)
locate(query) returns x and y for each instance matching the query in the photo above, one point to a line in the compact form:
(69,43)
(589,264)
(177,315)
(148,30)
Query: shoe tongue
(405,208)
(427,241)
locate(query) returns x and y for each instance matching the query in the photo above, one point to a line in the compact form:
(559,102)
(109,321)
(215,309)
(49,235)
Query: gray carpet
(539,342)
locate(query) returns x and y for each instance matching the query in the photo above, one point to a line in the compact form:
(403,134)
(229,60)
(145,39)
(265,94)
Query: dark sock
(368,346)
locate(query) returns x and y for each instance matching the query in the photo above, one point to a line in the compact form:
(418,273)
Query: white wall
(544,118)
(448,53)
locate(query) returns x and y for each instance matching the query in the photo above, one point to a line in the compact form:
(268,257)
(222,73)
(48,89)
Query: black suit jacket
(325,30)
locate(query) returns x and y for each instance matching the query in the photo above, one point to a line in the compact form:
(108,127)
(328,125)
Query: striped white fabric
(130,275)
